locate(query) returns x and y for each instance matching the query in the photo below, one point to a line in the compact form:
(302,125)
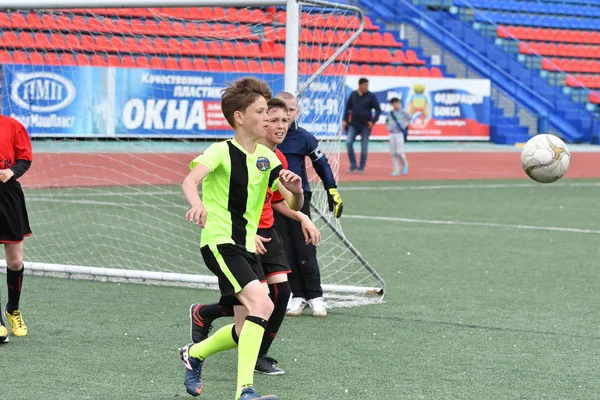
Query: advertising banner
(134,102)
(440,109)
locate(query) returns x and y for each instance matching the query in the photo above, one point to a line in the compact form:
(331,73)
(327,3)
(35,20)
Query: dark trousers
(364,131)
(305,279)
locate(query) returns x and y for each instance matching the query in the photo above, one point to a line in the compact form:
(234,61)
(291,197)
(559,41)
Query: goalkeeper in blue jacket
(305,279)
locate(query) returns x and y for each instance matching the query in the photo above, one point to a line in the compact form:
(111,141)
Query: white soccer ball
(545,158)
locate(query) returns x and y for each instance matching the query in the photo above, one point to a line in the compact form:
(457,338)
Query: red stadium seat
(26,40)
(117,45)
(411,58)
(98,60)
(173,46)
(83,60)
(413,71)
(199,64)
(157,62)
(424,72)
(67,59)
(151,28)
(240,66)
(146,46)
(214,49)
(20,57)
(436,72)
(227,49)
(366,69)
(214,65)
(185,64)
(49,23)
(142,62)
(57,41)
(72,42)
(171,63)
(390,41)
(5,57)
(279,67)
(36,58)
(113,60)
(51,59)
(253,66)
(378,70)
(354,69)
(33,21)
(128,62)
(389,70)
(399,57)
(79,24)
(18,20)
(227,66)
(159,46)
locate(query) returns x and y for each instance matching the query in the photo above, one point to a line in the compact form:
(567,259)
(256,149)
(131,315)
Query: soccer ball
(545,158)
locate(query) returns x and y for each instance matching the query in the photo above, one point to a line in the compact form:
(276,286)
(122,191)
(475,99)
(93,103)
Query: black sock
(280,294)
(214,311)
(14,280)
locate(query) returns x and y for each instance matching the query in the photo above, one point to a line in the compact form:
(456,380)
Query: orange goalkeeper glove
(335,202)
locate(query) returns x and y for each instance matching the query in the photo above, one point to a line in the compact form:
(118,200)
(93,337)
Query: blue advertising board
(134,102)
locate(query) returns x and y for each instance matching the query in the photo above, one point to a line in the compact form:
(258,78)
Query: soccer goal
(121,95)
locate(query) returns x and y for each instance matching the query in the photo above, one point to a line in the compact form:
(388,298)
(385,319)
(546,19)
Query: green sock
(250,340)
(221,340)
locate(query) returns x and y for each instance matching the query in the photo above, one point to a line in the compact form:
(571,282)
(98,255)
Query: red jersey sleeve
(22,144)
(277,197)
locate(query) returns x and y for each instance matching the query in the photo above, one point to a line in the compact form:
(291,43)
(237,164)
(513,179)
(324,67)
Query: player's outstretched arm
(311,233)
(197,212)
(290,187)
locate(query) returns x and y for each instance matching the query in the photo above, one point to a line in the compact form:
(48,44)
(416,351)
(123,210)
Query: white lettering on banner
(391,94)
(153,118)
(451,122)
(150,114)
(176,112)
(458,98)
(150,79)
(321,128)
(42,91)
(45,121)
(446,111)
(197,91)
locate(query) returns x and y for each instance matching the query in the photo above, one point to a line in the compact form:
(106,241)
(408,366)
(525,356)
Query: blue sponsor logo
(42,91)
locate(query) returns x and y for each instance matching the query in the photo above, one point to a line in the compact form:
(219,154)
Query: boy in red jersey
(272,257)
(15,160)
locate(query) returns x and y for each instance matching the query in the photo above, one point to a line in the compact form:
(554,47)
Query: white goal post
(348,279)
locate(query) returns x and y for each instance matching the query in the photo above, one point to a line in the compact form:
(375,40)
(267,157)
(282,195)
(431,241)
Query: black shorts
(14,223)
(273,261)
(233,266)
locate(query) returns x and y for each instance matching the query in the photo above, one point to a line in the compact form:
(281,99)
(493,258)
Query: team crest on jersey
(263,164)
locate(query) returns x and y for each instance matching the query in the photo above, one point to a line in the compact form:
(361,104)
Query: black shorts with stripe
(234,266)
(14,222)
(273,261)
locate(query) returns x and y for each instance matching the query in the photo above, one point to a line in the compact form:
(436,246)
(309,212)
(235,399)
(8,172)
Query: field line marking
(473,223)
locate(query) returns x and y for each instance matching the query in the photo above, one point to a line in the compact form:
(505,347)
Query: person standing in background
(359,120)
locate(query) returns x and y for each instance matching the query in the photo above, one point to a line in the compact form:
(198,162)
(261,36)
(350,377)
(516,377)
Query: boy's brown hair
(277,104)
(237,96)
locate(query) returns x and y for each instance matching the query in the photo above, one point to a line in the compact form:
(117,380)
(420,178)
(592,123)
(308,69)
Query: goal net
(119,101)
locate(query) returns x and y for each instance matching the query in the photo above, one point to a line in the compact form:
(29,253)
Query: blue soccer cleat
(250,394)
(405,170)
(193,372)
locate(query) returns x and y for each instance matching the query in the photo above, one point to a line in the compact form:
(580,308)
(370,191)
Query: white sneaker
(296,306)
(318,307)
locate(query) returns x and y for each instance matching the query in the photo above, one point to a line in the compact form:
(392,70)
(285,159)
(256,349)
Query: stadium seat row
(549,35)
(532,7)
(177,28)
(201,64)
(242,15)
(560,50)
(336,37)
(225,49)
(571,65)
(538,21)
(589,81)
